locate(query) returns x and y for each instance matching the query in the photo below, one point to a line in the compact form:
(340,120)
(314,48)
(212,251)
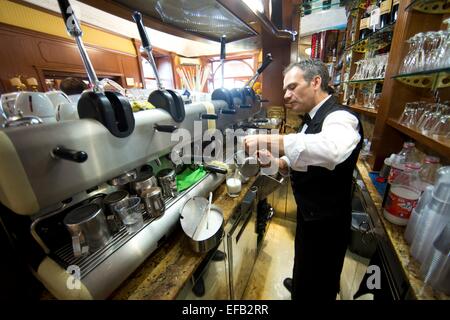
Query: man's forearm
(276,139)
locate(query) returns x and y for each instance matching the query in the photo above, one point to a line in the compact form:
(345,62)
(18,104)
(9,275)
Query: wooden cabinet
(388,133)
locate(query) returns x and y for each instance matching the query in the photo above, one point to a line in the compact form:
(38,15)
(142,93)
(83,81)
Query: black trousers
(320,247)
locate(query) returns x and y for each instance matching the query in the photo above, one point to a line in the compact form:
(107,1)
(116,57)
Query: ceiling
(206,18)
(118,20)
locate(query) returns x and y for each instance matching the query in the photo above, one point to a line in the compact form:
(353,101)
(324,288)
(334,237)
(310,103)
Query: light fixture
(255,5)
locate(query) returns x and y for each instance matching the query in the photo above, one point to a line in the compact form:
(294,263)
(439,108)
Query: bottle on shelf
(375,14)
(385,13)
(403,195)
(394,10)
(364,23)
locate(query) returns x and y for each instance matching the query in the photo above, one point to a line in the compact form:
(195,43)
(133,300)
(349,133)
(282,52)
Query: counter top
(170,267)
(410,266)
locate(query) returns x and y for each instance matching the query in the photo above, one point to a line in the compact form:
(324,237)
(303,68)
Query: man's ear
(317,81)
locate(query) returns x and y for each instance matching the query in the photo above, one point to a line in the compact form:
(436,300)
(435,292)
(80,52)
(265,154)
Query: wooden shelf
(441,145)
(360,109)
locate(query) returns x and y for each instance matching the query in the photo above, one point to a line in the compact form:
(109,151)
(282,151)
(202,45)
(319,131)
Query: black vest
(321,193)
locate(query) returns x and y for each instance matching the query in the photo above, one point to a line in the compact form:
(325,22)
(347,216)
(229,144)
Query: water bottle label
(393,174)
(401,202)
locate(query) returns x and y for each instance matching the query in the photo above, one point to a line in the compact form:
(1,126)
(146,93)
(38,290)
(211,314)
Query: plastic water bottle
(408,154)
(403,195)
(428,172)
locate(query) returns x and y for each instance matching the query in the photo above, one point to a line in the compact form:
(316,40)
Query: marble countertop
(170,267)
(410,266)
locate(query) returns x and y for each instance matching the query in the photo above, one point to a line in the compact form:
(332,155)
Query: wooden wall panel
(28,53)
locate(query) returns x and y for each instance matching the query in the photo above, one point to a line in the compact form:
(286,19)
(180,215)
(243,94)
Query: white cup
(34,104)
(57,97)
(67,111)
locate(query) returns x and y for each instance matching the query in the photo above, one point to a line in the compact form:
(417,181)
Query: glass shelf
(430,6)
(366,80)
(433,79)
(376,41)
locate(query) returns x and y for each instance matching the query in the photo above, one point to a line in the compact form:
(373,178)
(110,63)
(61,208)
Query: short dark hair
(72,86)
(311,68)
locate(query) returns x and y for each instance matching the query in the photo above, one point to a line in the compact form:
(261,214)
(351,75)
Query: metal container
(248,166)
(88,228)
(123,179)
(144,180)
(154,202)
(167,181)
(190,219)
(114,221)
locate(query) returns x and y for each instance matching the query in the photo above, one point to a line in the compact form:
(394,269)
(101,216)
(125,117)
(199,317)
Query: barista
(320,158)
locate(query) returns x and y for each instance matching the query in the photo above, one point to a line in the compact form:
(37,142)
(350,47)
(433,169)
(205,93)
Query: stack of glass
(427,51)
(432,119)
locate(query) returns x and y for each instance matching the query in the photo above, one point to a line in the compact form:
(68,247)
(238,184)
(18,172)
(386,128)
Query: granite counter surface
(170,267)
(410,266)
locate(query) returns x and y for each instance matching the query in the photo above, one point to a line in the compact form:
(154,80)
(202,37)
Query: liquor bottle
(394,10)
(364,30)
(385,13)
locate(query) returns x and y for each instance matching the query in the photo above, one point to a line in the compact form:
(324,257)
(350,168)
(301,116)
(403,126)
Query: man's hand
(265,158)
(254,142)
(271,142)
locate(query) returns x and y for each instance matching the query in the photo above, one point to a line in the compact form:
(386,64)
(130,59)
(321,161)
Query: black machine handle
(215,169)
(262,120)
(209,116)
(137,17)
(263,100)
(68,154)
(72,24)
(245,106)
(223,41)
(267,60)
(228,111)
(165,128)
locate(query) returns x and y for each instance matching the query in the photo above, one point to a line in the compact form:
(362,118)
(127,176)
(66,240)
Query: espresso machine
(50,169)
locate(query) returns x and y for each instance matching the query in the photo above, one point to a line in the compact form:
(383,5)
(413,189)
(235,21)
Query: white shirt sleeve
(332,146)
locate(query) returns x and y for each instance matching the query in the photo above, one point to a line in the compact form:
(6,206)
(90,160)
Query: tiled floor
(275,262)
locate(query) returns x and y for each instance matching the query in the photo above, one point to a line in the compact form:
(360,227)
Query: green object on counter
(189,177)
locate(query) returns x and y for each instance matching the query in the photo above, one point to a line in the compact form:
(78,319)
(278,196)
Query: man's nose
(287,95)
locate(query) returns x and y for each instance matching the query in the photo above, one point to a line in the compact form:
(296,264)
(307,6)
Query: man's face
(299,95)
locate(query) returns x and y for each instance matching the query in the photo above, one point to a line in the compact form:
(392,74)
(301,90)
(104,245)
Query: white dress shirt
(328,148)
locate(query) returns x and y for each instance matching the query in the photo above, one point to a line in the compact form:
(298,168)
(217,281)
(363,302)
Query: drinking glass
(408,116)
(129,210)
(431,45)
